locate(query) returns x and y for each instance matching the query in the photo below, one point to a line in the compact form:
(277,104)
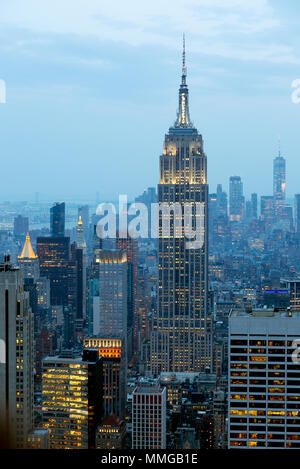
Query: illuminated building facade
(16,363)
(149,417)
(181,328)
(72,395)
(279,183)
(28,261)
(114,373)
(39,439)
(264,381)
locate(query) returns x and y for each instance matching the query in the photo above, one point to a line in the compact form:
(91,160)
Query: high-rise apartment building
(72,395)
(57,219)
(279,183)
(181,328)
(149,417)
(264,379)
(16,361)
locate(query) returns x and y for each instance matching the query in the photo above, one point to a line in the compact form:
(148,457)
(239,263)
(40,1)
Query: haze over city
(91,91)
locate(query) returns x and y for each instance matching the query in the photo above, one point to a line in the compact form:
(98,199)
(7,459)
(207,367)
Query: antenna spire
(183,61)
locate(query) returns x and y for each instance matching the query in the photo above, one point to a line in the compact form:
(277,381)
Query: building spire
(183,120)
(183,81)
(27,252)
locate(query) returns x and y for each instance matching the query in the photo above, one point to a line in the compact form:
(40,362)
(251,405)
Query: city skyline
(71,87)
(150,284)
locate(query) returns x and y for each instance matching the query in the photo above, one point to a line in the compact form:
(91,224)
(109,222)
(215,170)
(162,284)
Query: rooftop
(265,313)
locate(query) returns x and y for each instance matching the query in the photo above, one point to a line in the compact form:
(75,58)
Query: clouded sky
(92,88)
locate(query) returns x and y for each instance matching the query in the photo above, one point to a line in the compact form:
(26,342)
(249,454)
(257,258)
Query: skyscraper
(297,213)
(28,261)
(57,219)
(279,184)
(267,210)
(114,373)
(72,394)
(264,382)
(236,199)
(16,364)
(181,338)
(83,212)
(21,225)
(110,308)
(54,257)
(254,205)
(80,240)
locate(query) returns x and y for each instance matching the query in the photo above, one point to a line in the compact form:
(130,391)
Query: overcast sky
(92,87)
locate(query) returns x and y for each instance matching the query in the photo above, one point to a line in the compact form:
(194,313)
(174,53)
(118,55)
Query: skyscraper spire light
(183,120)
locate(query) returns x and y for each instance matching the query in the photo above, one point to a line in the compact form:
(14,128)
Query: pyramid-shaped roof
(27,252)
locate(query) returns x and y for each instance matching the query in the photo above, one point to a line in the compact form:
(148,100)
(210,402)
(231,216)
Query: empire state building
(181,336)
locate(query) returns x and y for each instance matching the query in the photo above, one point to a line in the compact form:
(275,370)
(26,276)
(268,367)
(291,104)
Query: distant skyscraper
(279,183)
(21,225)
(80,241)
(212,210)
(254,206)
(236,199)
(110,307)
(77,285)
(181,329)
(264,384)
(57,219)
(83,212)
(28,261)
(130,245)
(297,213)
(54,257)
(267,210)
(16,364)
(221,202)
(149,417)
